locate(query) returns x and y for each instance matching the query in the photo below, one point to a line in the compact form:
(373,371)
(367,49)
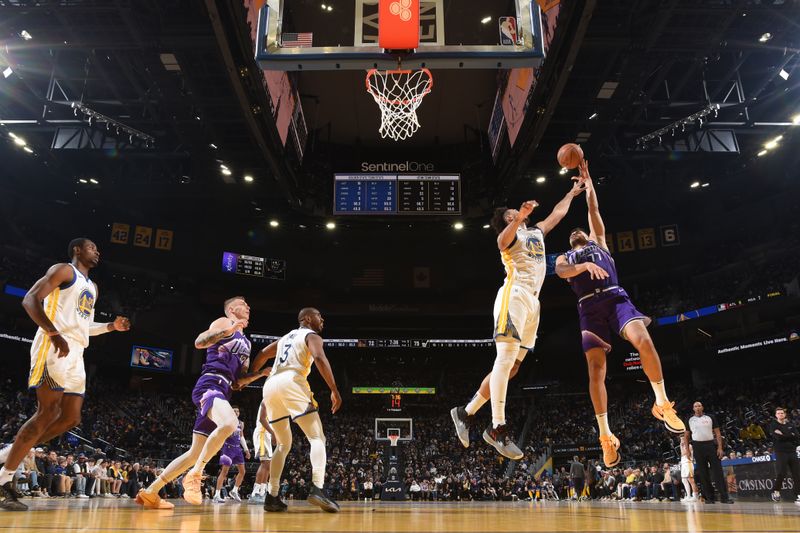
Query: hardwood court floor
(66,516)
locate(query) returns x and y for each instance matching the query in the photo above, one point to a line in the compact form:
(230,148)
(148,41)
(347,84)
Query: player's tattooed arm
(219,329)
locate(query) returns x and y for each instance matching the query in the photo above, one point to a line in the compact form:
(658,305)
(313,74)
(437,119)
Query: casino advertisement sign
(754,478)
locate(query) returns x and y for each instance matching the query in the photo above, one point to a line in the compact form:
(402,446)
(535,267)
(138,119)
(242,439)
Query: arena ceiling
(180,71)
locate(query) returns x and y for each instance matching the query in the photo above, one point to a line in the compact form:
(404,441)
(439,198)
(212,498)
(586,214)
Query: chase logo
(85,303)
(535,248)
(402,9)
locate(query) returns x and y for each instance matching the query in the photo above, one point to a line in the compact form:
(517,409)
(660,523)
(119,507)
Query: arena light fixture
(762,153)
(226,172)
(331,225)
(695,185)
(783,74)
(773,143)
(486,226)
(705,184)
(486,20)
(562,171)
(19,141)
(94,118)
(248,179)
(593,116)
(458,226)
(212,146)
(680,125)
(25,35)
(93,181)
(796,119)
(274,223)
(765,37)
(27,149)
(223,166)
(541,179)
(7,72)
(82,180)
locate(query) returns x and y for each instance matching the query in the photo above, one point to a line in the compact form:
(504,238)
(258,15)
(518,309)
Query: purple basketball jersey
(583,283)
(227,356)
(234,439)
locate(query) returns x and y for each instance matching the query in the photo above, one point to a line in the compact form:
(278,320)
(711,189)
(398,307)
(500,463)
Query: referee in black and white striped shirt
(703,431)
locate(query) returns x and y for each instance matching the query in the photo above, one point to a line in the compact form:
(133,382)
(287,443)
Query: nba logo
(508,31)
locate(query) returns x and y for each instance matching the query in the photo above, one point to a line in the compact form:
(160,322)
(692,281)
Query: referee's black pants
(784,459)
(708,466)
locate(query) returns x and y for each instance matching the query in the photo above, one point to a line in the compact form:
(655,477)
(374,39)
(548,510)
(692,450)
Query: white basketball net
(399,93)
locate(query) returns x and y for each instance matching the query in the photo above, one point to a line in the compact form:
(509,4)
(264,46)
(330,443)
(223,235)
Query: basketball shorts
(288,395)
(262,444)
(234,451)
(59,373)
(687,469)
(516,316)
(206,390)
(606,313)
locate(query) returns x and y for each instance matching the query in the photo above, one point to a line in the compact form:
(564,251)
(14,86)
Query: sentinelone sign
(406,166)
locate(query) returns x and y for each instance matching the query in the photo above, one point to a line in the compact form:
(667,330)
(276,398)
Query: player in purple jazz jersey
(605,308)
(233,452)
(227,360)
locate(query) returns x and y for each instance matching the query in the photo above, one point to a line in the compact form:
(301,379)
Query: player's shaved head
(306,313)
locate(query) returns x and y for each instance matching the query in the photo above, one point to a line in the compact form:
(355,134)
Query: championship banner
(398,24)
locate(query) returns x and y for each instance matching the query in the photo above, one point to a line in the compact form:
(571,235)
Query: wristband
(53,333)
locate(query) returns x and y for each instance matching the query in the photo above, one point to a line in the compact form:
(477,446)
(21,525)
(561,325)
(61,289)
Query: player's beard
(578,241)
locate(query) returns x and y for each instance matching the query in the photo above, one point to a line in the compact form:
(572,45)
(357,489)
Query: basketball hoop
(393,440)
(398,94)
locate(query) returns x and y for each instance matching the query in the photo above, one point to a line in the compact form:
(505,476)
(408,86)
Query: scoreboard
(251,265)
(397,194)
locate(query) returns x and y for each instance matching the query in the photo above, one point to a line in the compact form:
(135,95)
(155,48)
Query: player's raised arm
(220,328)
(597,230)
(314,342)
(506,237)
(561,208)
(55,276)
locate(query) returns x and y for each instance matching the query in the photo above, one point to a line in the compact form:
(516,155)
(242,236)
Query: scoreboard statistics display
(397,194)
(251,265)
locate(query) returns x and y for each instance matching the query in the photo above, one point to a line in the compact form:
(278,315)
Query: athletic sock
(217,494)
(498,380)
(156,486)
(475,403)
(602,424)
(661,393)
(4,453)
(235,490)
(6,475)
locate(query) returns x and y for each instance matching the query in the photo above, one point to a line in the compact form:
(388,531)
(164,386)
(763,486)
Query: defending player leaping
(604,306)
(62,304)
(516,314)
(227,357)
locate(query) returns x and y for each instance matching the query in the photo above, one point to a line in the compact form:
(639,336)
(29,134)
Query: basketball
(570,156)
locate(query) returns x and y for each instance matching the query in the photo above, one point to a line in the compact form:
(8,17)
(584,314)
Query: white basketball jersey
(70,307)
(524,260)
(293,353)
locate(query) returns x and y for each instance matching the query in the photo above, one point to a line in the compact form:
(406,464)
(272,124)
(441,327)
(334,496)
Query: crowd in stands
(124,438)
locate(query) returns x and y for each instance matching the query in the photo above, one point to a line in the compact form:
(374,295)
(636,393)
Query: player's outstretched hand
(247,455)
(578,186)
(336,401)
(61,346)
(583,168)
(122,323)
(266,371)
(596,272)
(527,208)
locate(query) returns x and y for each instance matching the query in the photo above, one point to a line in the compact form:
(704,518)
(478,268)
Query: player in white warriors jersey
(516,314)
(288,397)
(62,305)
(263,439)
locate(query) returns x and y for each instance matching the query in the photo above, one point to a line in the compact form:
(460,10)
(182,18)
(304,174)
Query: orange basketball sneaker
(152,501)
(610,444)
(191,487)
(666,413)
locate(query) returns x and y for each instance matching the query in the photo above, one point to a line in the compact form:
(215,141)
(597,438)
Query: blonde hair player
(603,307)
(263,438)
(288,397)
(516,314)
(227,359)
(62,304)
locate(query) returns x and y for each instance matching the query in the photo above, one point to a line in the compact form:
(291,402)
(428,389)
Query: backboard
(336,34)
(404,427)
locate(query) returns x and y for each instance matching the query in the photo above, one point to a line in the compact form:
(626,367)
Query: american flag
(370,277)
(300,40)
